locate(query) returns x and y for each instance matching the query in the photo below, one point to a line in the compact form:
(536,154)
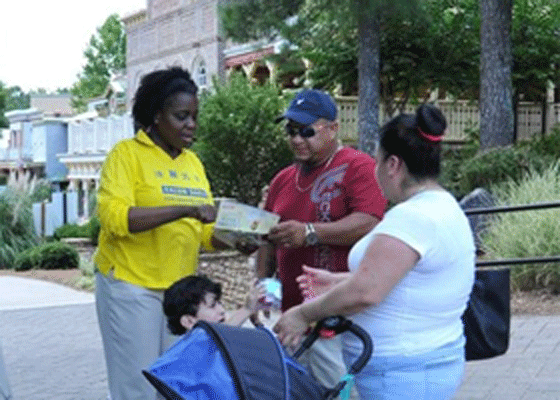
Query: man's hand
(290,234)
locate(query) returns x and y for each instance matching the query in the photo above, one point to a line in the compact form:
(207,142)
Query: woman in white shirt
(410,277)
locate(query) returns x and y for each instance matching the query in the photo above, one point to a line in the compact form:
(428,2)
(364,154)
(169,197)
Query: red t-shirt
(329,193)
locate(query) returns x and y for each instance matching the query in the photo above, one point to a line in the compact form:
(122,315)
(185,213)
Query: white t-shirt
(423,311)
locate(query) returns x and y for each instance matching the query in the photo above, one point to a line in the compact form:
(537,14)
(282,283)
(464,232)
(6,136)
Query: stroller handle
(336,325)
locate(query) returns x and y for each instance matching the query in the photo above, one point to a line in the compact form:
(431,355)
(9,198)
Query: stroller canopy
(217,361)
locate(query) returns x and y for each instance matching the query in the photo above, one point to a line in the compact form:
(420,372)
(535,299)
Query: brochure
(240,223)
(238,217)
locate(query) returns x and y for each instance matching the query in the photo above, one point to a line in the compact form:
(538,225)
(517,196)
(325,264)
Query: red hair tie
(428,137)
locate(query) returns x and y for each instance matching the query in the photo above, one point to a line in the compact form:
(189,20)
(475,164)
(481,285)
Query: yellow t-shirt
(137,172)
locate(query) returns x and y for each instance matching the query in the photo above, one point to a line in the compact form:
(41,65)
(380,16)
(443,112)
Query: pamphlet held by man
(237,222)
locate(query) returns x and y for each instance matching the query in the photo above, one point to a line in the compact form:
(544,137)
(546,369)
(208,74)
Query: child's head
(191,299)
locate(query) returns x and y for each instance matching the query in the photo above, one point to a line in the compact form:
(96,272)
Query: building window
(201,78)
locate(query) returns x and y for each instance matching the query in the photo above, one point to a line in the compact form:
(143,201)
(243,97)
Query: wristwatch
(311,238)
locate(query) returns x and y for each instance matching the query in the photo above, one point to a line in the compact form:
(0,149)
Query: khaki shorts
(325,363)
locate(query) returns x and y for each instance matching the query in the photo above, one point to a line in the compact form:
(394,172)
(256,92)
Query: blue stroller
(217,361)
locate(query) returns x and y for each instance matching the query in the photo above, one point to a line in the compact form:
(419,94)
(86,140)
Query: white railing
(12,155)
(98,135)
(461,115)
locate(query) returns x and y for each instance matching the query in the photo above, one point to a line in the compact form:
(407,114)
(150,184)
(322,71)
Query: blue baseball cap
(310,105)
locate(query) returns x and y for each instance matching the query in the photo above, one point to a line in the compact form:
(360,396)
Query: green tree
(238,142)
(536,50)
(259,18)
(368,46)
(17,99)
(436,46)
(105,56)
(3,96)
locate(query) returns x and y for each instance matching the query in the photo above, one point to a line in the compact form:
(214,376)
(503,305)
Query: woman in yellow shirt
(156,210)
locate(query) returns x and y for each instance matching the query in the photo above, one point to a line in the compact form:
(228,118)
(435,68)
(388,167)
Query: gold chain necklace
(325,166)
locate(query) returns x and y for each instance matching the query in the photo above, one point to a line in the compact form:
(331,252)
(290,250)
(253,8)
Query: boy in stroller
(214,361)
(197,298)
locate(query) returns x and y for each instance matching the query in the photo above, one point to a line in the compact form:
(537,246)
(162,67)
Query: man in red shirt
(327,200)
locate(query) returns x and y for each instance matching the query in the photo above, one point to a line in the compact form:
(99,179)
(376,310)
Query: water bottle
(272,297)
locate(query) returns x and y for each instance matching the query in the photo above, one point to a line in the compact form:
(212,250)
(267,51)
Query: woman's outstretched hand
(291,326)
(314,281)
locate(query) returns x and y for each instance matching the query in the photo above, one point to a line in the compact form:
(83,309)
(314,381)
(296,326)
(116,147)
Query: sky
(42,42)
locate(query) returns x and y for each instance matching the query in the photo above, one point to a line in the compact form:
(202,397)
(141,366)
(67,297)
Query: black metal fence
(514,261)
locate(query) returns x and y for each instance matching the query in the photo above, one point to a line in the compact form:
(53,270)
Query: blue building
(32,146)
(50,138)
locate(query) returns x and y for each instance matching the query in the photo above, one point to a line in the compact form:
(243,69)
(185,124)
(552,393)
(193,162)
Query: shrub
(532,233)
(17,232)
(464,168)
(239,143)
(71,230)
(546,145)
(53,255)
(94,226)
(26,260)
(452,159)
(87,280)
(89,230)
(492,166)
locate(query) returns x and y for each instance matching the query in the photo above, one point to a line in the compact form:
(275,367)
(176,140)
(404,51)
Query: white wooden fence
(460,114)
(98,135)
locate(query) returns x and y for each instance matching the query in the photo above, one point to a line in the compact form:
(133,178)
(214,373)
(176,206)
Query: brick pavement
(530,370)
(55,353)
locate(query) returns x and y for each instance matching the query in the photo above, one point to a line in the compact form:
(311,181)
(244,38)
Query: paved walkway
(52,350)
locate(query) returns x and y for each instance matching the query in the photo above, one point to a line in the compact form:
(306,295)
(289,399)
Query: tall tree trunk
(496,108)
(368,78)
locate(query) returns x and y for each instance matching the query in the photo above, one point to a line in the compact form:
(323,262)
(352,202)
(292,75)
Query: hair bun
(430,120)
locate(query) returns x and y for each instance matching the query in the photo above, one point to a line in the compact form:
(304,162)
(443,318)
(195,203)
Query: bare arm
(250,307)
(386,262)
(141,219)
(316,281)
(237,317)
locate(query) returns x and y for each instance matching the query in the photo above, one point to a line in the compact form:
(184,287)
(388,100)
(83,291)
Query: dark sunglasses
(305,131)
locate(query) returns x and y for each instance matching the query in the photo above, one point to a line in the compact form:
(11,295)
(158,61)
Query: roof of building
(25,115)
(53,105)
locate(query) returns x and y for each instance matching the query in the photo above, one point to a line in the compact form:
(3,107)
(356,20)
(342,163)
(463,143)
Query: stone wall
(233,270)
